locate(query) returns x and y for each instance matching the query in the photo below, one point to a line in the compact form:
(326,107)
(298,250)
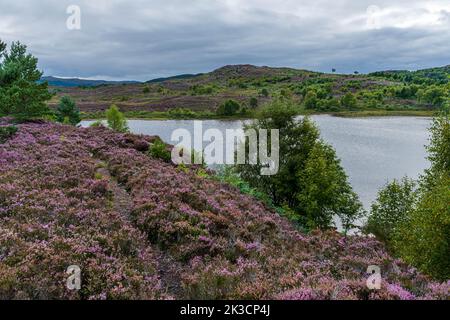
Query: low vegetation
(139,232)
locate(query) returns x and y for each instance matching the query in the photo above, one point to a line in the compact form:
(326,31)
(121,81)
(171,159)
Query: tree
(434,95)
(265,92)
(116,120)
(324,191)
(417,227)
(68,112)
(424,239)
(228,108)
(253,103)
(349,101)
(21,94)
(439,147)
(310,179)
(146,89)
(310,101)
(391,208)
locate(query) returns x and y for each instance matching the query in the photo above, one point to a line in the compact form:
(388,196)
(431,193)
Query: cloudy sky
(137,39)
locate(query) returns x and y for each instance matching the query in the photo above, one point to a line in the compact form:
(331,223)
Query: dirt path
(168,268)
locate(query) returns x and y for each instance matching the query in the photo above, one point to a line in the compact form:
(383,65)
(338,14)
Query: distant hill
(76,82)
(205,92)
(178,77)
(438,75)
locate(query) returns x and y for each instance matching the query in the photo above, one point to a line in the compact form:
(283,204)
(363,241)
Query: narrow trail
(168,268)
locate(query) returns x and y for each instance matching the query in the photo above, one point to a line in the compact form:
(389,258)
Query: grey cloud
(147,39)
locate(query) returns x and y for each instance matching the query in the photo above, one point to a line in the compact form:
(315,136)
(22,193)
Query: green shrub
(310,101)
(416,225)
(146,89)
(67,112)
(228,108)
(253,103)
(423,240)
(391,208)
(159,150)
(97,124)
(7,132)
(348,101)
(181,113)
(116,120)
(201,90)
(264,92)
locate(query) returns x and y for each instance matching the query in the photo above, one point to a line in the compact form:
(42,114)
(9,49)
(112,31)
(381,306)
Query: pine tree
(21,94)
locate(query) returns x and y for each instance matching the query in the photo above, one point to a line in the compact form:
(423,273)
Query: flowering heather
(140,228)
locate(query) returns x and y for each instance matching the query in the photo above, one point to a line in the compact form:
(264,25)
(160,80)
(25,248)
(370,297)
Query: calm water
(373,150)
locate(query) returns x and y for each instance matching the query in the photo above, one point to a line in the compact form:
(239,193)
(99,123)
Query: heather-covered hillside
(200,96)
(140,228)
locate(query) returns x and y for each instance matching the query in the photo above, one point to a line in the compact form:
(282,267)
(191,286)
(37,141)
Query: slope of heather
(238,82)
(140,228)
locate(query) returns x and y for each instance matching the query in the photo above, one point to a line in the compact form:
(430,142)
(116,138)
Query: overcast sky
(141,40)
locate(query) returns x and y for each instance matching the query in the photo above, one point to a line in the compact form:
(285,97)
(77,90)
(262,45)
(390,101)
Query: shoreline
(162,116)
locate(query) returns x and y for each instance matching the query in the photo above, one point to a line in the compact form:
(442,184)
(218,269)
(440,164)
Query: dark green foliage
(407,92)
(7,132)
(417,225)
(439,147)
(310,180)
(394,202)
(426,76)
(146,89)
(264,92)
(310,101)
(201,90)
(160,150)
(68,112)
(21,95)
(229,108)
(424,239)
(181,113)
(348,101)
(434,95)
(253,103)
